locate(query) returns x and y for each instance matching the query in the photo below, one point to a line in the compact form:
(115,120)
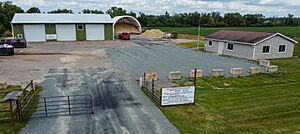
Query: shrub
(175,35)
(7,34)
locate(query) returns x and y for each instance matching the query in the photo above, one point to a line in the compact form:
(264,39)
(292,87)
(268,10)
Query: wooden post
(45,103)
(144,82)
(18,109)
(153,86)
(69,104)
(12,116)
(195,85)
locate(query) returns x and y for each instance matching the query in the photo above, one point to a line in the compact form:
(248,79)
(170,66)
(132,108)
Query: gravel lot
(164,56)
(108,71)
(68,68)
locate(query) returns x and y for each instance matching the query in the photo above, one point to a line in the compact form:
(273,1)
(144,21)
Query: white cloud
(268,7)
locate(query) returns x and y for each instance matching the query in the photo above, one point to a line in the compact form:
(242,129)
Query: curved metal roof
(130,19)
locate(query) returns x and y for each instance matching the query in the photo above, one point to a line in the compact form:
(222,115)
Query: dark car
(16,43)
(124,36)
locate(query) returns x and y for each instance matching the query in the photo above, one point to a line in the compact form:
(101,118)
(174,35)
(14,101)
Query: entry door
(220,48)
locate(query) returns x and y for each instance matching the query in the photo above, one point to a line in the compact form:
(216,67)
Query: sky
(267,7)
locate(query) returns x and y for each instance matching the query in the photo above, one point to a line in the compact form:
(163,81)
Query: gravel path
(164,56)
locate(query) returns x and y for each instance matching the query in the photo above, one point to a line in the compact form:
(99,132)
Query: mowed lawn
(289,31)
(264,103)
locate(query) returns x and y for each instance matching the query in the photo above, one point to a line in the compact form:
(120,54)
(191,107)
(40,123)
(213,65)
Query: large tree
(88,11)
(7,12)
(62,11)
(116,11)
(33,10)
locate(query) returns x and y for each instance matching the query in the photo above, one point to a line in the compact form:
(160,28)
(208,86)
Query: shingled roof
(240,36)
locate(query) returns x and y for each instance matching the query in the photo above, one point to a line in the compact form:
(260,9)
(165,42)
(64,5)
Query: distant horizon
(269,8)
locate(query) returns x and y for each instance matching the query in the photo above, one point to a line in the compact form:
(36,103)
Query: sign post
(195,85)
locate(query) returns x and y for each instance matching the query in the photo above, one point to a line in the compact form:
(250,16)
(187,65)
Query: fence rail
(58,105)
(153,89)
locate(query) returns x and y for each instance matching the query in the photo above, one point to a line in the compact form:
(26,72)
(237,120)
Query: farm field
(289,31)
(263,103)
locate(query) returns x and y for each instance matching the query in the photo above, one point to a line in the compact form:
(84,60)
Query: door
(35,33)
(220,48)
(95,32)
(66,32)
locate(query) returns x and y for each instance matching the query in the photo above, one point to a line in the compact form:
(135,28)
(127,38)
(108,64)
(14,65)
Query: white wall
(35,32)
(66,32)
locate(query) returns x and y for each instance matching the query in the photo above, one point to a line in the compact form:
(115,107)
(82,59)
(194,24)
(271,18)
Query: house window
(282,48)
(230,46)
(210,43)
(20,36)
(266,50)
(80,27)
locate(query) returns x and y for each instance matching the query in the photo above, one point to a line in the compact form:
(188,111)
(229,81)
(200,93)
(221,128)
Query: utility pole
(199,29)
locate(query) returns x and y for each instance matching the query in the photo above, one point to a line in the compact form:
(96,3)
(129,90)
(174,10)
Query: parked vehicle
(16,43)
(124,36)
(6,50)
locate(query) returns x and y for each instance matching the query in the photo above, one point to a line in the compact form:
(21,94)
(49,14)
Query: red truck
(124,36)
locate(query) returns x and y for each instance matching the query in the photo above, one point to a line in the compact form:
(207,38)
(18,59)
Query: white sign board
(51,36)
(178,95)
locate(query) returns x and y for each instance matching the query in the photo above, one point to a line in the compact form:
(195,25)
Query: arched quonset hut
(127,24)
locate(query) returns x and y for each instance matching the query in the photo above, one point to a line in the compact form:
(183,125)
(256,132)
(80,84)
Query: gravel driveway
(108,72)
(84,68)
(164,56)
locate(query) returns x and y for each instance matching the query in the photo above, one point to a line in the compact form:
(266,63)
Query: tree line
(213,19)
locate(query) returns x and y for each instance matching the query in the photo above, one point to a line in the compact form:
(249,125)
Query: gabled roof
(244,36)
(40,18)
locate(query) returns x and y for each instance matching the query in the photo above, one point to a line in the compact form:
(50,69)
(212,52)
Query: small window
(20,36)
(282,48)
(266,50)
(230,46)
(210,43)
(80,27)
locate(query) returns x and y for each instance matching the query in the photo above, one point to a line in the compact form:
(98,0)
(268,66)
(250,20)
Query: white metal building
(62,27)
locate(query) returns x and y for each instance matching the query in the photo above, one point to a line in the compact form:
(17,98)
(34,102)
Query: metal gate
(56,106)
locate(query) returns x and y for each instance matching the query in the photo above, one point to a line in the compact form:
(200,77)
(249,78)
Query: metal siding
(18,29)
(50,29)
(66,32)
(80,34)
(213,48)
(108,32)
(95,32)
(274,43)
(35,33)
(239,50)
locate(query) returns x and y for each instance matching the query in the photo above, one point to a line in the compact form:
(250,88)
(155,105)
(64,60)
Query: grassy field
(192,45)
(289,31)
(8,127)
(263,103)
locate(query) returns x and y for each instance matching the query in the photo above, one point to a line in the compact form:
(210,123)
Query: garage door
(66,32)
(95,32)
(35,33)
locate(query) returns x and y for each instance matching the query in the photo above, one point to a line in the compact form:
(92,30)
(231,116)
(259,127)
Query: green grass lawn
(263,103)
(192,45)
(289,31)
(8,127)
